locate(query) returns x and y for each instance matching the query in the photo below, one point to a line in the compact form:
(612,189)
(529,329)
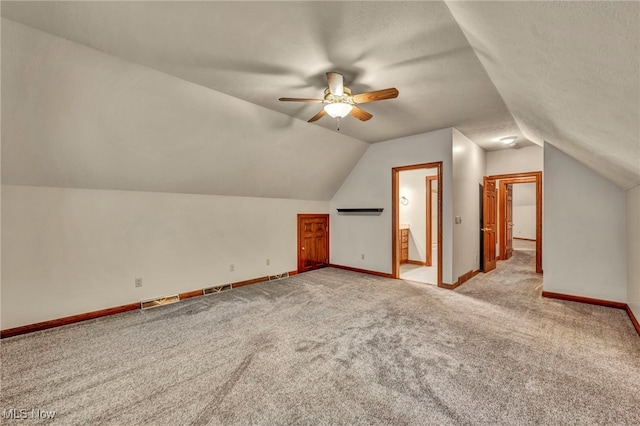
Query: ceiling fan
(338,100)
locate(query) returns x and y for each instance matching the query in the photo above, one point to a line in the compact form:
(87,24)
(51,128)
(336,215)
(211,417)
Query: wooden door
(489,224)
(508,221)
(313,241)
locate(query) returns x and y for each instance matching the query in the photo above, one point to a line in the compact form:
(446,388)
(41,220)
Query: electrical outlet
(138,282)
(268,262)
(362,256)
(232,267)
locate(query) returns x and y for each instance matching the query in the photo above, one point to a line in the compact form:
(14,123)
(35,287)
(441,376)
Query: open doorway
(518,208)
(517,201)
(417,223)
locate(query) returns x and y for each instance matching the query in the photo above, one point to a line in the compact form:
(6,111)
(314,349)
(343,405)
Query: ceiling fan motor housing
(346,98)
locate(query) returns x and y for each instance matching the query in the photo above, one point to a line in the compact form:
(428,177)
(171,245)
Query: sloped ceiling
(569,73)
(75,117)
(260,51)
(565,70)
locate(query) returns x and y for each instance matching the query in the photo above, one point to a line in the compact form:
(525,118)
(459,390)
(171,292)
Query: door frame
(395,215)
(311,216)
(526,177)
(506,222)
(503,211)
(429,245)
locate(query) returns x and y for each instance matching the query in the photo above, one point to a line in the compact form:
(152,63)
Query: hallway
(514,282)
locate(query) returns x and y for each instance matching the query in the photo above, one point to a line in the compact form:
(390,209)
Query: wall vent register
(160,301)
(216,289)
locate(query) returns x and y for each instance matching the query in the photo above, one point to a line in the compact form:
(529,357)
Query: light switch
(458,220)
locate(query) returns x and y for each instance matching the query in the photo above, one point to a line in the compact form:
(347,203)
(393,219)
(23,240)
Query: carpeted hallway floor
(336,347)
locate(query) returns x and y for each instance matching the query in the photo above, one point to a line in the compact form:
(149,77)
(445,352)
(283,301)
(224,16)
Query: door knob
(302,248)
(485,229)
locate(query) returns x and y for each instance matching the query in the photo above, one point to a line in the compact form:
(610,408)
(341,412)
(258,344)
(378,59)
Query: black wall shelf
(361,211)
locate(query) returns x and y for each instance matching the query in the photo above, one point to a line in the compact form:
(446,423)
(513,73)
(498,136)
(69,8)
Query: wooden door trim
(395,214)
(515,175)
(502,226)
(525,177)
(502,207)
(429,245)
(311,216)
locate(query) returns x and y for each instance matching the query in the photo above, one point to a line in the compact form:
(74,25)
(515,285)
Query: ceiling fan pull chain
(338,120)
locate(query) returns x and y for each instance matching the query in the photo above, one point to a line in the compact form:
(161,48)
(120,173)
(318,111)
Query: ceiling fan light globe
(338,109)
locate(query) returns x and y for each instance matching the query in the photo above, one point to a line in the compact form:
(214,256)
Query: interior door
(508,218)
(489,219)
(313,241)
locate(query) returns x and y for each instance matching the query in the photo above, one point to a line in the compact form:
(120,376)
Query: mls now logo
(22,414)
(15,414)
(42,414)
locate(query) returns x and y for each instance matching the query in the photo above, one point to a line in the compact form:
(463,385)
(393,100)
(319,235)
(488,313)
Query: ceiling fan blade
(378,95)
(318,116)
(300,100)
(360,114)
(336,83)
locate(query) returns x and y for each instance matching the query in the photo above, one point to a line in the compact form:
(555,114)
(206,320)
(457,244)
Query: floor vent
(146,304)
(217,289)
(278,276)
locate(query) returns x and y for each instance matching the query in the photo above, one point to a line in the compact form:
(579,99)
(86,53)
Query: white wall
(369,185)
(515,160)
(524,222)
(633,250)
(524,211)
(413,186)
(69,251)
(469,167)
(584,251)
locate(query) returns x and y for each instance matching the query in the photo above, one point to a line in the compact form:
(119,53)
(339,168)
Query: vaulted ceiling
(565,73)
(569,73)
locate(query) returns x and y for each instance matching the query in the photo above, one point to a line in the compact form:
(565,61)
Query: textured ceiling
(563,72)
(569,73)
(76,117)
(260,51)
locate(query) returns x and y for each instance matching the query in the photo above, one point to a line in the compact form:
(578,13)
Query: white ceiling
(260,51)
(568,72)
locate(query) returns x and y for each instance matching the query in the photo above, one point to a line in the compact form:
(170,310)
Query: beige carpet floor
(335,347)
(519,244)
